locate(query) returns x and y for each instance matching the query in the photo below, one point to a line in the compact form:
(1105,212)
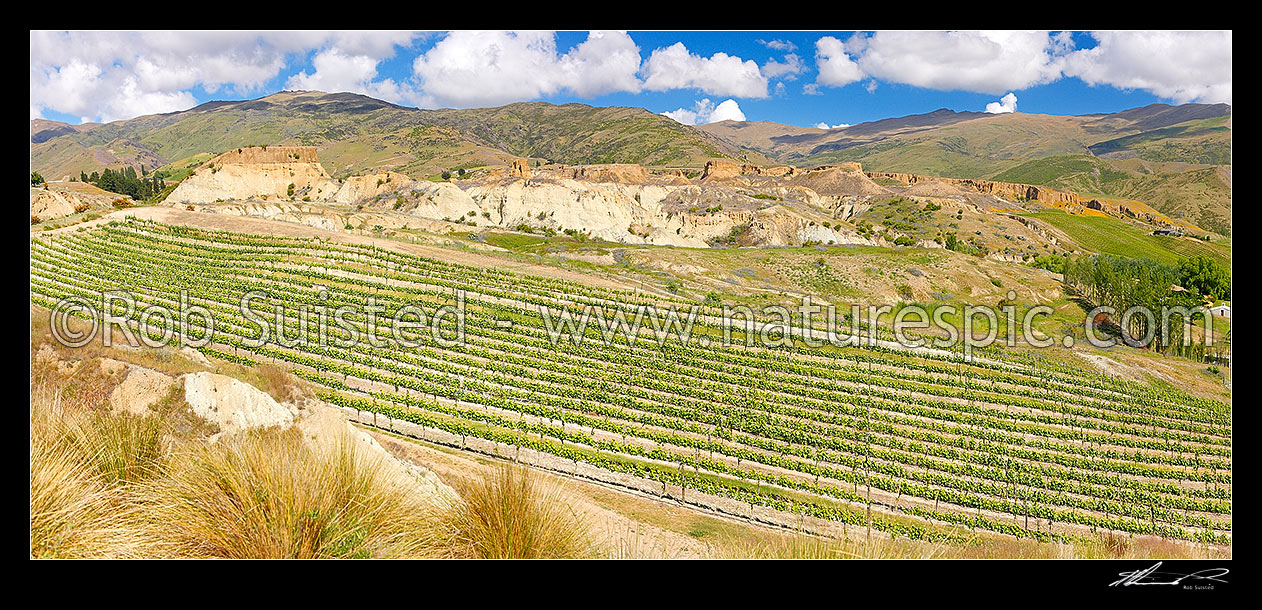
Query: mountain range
(1176,159)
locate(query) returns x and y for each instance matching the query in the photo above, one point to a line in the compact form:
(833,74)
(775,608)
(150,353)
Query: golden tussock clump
(513,513)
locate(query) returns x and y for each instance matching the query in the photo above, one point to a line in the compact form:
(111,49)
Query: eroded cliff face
(359,188)
(723,171)
(729,204)
(58,202)
(616,202)
(46,204)
(1006,190)
(257,173)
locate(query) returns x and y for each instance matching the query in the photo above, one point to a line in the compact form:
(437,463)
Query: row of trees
(1124,283)
(126,182)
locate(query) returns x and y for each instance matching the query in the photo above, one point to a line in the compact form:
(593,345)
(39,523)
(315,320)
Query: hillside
(1175,158)
(580,134)
(356,134)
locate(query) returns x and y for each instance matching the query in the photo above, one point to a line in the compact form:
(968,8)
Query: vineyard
(908,443)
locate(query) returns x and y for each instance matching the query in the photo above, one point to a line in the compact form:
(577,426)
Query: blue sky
(799,78)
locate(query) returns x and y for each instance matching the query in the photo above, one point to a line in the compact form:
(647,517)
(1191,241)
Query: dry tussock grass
(270,494)
(81,503)
(119,485)
(514,513)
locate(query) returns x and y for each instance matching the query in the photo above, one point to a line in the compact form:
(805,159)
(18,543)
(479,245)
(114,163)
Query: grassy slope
(357,134)
(1203,141)
(575,133)
(1108,235)
(183,168)
(1199,193)
(1181,170)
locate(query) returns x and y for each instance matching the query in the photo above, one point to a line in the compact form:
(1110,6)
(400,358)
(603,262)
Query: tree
(36,179)
(126,182)
(1205,277)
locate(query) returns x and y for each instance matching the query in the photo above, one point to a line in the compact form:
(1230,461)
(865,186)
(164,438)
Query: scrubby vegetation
(107,485)
(1123,283)
(126,182)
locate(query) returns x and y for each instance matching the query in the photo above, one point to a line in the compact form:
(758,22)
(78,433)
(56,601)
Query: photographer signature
(1151,576)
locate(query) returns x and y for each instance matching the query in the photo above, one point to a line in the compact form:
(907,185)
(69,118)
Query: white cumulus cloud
(705,111)
(468,68)
(1006,104)
(337,71)
(111,75)
(836,67)
(1181,66)
(778,45)
(674,67)
(823,125)
(789,69)
(980,61)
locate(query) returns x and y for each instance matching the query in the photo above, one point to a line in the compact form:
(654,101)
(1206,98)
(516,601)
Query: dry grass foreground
(118,485)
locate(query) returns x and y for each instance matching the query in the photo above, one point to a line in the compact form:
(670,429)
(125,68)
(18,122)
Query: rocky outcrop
(1036,227)
(268,155)
(233,405)
(271,174)
(623,173)
(838,180)
(519,169)
(58,201)
(605,210)
(141,390)
(236,406)
(1128,209)
(1005,190)
(845,166)
(614,202)
(437,200)
(47,356)
(194,356)
(720,169)
(46,205)
(359,188)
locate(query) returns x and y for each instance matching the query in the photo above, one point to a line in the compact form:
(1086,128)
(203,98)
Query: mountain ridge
(1159,152)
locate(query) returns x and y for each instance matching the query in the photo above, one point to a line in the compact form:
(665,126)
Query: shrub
(271,494)
(78,507)
(514,514)
(1050,262)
